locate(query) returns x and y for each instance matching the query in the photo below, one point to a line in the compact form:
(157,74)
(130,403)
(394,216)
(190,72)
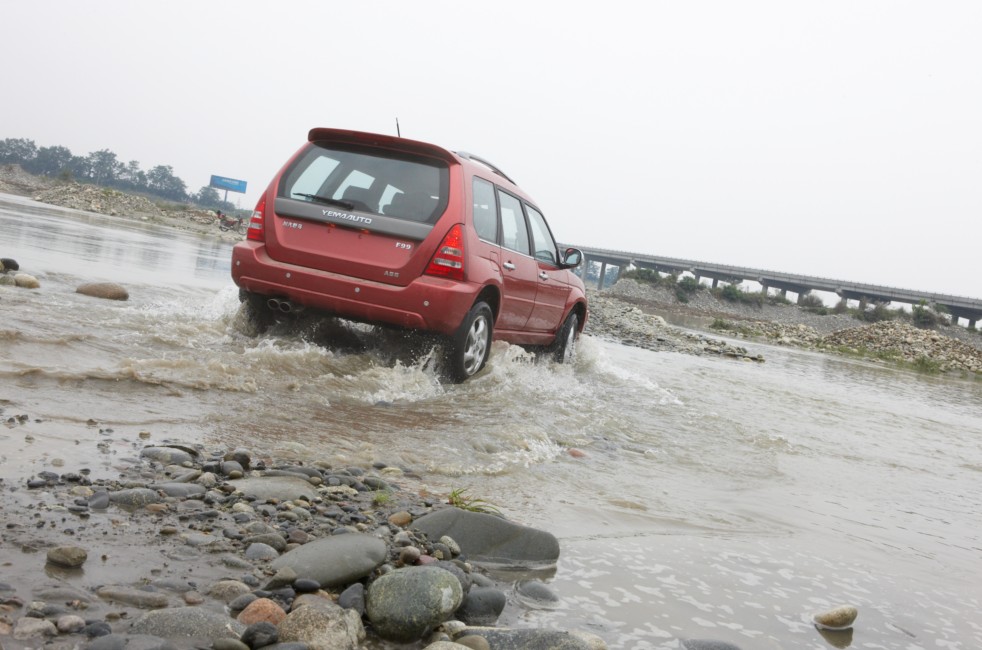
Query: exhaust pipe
(284,306)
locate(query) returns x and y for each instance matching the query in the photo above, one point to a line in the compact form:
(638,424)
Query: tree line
(104,168)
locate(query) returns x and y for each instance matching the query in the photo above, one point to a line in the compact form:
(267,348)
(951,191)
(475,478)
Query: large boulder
(334,561)
(491,539)
(26,281)
(405,604)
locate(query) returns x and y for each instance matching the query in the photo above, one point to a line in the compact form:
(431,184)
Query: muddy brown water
(712,499)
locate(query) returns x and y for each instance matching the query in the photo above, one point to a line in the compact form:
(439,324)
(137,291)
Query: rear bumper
(427,303)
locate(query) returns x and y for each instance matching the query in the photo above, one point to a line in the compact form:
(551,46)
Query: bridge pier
(603,272)
(715,282)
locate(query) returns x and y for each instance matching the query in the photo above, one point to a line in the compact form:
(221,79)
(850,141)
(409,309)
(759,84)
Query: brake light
(256,231)
(448,261)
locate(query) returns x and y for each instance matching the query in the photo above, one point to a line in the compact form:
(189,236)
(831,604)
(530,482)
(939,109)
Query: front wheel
(564,349)
(469,348)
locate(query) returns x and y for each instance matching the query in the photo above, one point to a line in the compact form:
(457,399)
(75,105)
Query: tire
(254,313)
(468,349)
(563,350)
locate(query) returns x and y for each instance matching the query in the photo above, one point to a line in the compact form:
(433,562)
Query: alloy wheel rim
(476,345)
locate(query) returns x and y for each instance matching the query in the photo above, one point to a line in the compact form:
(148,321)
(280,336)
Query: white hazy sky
(834,138)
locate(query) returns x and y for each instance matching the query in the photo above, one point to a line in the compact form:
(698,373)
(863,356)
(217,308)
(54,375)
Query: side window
(545,245)
(485,210)
(514,232)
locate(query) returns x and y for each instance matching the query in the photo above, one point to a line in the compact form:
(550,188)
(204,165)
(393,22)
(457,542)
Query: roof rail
(491,166)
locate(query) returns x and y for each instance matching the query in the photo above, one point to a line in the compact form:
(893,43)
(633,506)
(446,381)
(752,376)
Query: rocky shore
(194,548)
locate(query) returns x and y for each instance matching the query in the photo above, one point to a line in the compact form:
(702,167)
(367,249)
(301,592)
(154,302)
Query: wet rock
(839,618)
(231,644)
(167,455)
(353,598)
(259,551)
(535,594)
(9,264)
(409,555)
(274,540)
(335,561)
(400,519)
(68,556)
(482,606)
(179,490)
(135,497)
(187,622)
(403,605)
(99,501)
(260,634)
(33,628)
(261,610)
(26,281)
(284,488)
(70,623)
(473,642)
(134,597)
(484,537)
(322,625)
(97,629)
(228,590)
(107,290)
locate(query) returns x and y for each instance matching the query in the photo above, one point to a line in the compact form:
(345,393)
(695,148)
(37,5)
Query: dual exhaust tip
(284,306)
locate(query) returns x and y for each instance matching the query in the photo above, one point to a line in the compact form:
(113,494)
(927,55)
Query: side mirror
(572,258)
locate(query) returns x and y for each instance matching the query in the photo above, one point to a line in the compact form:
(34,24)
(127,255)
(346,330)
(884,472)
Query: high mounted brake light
(448,261)
(256,231)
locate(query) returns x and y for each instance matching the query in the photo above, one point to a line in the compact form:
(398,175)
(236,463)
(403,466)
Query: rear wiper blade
(347,205)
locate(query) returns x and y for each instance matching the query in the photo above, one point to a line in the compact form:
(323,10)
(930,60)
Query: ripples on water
(694,497)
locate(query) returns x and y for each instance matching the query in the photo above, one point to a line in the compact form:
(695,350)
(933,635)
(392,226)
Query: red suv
(391,231)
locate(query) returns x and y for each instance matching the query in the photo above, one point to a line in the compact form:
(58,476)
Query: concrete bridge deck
(957,306)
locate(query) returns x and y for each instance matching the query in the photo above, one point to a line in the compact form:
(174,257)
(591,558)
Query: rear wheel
(564,349)
(254,315)
(469,348)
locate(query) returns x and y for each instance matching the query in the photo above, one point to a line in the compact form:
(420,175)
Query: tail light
(448,261)
(256,232)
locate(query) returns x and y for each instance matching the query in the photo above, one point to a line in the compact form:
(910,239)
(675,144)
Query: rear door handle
(543,275)
(509,266)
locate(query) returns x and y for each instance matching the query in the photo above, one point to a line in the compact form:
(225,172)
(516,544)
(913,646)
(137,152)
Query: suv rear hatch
(360,205)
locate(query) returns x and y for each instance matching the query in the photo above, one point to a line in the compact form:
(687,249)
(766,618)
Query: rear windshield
(396,185)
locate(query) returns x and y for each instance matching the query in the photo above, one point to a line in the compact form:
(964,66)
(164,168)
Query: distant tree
(50,161)
(104,168)
(161,181)
(17,151)
(132,177)
(208,197)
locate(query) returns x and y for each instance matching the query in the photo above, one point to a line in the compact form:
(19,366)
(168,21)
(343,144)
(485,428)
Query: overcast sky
(833,138)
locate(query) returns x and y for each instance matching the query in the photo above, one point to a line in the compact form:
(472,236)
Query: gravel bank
(634,313)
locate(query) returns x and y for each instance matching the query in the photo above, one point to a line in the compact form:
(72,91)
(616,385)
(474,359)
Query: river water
(693,497)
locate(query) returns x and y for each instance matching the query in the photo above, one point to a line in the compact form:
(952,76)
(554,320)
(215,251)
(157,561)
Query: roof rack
(491,166)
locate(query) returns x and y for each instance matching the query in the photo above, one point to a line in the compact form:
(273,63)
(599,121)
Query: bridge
(958,306)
